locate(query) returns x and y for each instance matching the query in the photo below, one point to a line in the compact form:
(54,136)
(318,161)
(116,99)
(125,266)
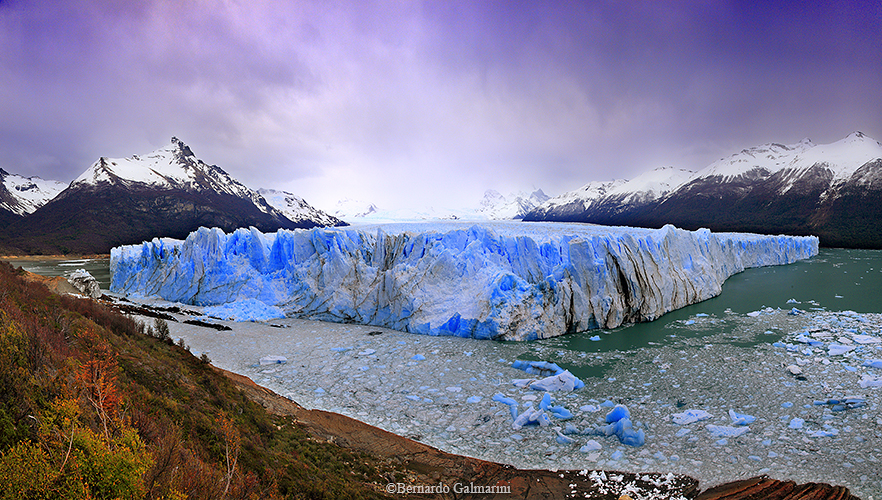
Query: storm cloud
(430,103)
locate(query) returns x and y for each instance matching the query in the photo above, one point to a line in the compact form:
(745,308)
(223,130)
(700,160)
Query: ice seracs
(508,281)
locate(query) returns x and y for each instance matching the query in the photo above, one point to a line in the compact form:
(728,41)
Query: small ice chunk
(618,413)
(741,418)
(839,349)
(454,388)
(796,423)
(683,431)
(792,301)
(273,360)
(590,408)
(367,352)
(504,399)
(794,370)
(561,439)
(753,314)
(418,357)
(595,338)
(872,363)
(726,430)
(870,381)
(590,446)
(474,399)
(340,349)
(824,433)
(531,416)
(564,381)
(866,339)
(617,455)
(690,416)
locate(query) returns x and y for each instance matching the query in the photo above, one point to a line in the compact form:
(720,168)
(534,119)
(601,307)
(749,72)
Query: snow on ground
(719,400)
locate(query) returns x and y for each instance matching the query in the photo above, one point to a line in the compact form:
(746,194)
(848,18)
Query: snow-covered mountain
(168,192)
(829,190)
(612,197)
(790,165)
(23,195)
(173,167)
(296,209)
(493,206)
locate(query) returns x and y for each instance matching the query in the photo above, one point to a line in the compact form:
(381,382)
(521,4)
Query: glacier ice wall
(511,281)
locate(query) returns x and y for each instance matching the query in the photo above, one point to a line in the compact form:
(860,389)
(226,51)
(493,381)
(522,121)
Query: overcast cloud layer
(430,103)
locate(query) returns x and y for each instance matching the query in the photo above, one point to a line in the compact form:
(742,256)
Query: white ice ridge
(506,281)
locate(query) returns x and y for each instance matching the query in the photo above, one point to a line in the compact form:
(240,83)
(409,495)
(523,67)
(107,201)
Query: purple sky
(406,103)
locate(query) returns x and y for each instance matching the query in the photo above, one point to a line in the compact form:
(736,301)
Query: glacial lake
(835,280)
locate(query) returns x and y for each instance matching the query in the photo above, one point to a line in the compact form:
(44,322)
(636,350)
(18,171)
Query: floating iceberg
(512,281)
(690,416)
(726,430)
(564,381)
(273,360)
(619,420)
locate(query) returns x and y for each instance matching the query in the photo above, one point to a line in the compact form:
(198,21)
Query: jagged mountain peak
(173,166)
(23,195)
(181,146)
(296,209)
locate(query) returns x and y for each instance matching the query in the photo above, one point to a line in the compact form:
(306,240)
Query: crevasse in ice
(512,281)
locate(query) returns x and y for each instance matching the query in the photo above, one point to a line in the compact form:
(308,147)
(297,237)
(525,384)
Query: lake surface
(99,268)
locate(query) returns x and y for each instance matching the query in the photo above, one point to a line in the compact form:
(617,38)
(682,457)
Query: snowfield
(505,281)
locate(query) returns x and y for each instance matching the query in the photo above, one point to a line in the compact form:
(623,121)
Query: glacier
(500,280)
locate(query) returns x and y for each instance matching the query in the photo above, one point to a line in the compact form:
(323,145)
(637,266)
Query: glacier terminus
(487,280)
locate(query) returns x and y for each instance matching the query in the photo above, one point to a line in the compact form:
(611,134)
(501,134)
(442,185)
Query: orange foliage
(98,377)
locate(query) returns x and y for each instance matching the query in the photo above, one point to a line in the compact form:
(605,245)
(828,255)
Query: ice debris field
(787,392)
(505,281)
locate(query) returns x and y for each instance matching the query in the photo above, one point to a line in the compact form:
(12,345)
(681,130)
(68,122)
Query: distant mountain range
(829,190)
(492,206)
(169,192)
